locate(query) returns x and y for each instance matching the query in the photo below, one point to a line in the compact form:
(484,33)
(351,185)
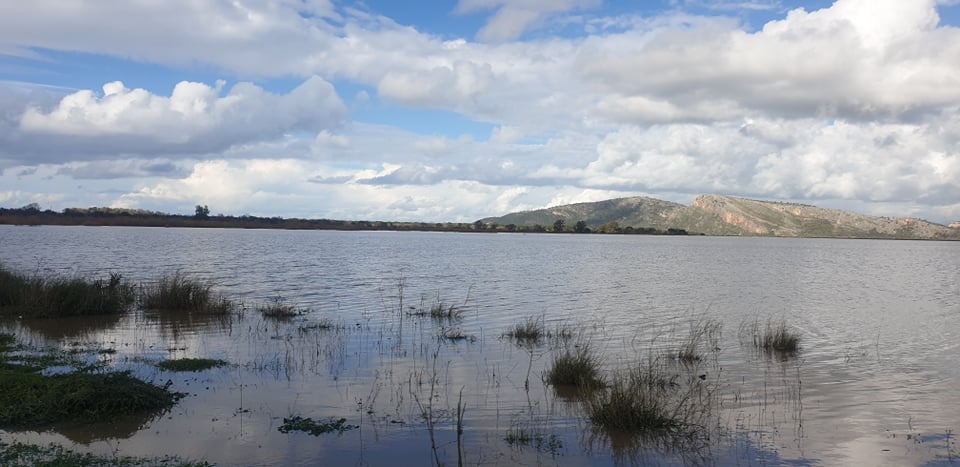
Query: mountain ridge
(713,214)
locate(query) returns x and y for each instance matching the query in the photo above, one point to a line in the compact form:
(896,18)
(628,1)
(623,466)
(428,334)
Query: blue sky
(461,109)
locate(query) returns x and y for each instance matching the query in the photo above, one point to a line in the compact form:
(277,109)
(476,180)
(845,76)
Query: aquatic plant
(531,330)
(702,338)
(190,364)
(652,397)
(277,308)
(313,427)
(523,437)
(575,367)
(181,293)
(771,337)
(50,297)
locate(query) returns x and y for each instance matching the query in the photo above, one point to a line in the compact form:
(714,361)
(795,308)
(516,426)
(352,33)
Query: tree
(558,225)
(581,227)
(202,212)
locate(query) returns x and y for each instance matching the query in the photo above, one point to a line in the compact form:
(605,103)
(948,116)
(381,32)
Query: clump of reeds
(653,398)
(181,293)
(278,308)
(702,338)
(772,336)
(52,297)
(578,367)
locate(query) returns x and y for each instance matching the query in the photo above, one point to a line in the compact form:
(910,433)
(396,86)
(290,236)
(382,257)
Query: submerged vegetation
(313,427)
(32,399)
(278,308)
(191,364)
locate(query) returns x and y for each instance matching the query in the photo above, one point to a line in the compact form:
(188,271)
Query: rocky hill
(726,215)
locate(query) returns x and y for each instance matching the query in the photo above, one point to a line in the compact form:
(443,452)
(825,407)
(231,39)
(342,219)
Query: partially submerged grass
(30,399)
(578,367)
(702,338)
(772,337)
(520,437)
(51,297)
(455,334)
(190,364)
(439,310)
(278,308)
(653,397)
(180,293)
(27,455)
(531,330)
(313,427)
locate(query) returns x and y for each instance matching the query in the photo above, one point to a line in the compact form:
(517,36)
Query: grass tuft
(578,367)
(652,397)
(531,330)
(772,337)
(703,337)
(180,293)
(190,364)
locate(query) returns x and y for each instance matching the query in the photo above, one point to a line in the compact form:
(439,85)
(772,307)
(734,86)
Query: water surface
(874,384)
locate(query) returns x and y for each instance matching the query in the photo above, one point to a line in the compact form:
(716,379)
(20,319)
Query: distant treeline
(99,216)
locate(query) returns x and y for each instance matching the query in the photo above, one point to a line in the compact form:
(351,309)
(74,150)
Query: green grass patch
(190,364)
(178,292)
(315,428)
(27,455)
(51,297)
(29,399)
(578,367)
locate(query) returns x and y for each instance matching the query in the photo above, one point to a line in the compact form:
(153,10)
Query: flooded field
(403,348)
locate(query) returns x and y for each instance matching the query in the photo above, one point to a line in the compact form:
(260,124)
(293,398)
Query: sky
(454,110)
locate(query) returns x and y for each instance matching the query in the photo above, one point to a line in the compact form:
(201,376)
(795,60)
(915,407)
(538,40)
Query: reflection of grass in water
(17,454)
(190,364)
(52,297)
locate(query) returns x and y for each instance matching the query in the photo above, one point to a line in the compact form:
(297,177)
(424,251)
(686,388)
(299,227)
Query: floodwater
(875,381)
